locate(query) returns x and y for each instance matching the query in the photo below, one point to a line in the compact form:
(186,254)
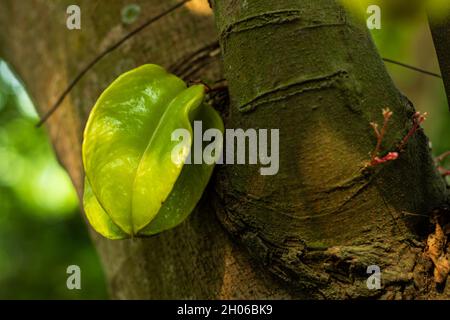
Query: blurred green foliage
(41,229)
(410,42)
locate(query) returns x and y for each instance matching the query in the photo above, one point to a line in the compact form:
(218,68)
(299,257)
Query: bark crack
(261,20)
(295,88)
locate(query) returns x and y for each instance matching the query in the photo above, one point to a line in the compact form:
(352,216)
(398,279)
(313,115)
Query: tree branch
(440,31)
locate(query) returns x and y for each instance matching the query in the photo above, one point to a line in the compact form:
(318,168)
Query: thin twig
(387,114)
(180,63)
(438,160)
(413,68)
(443,156)
(101,55)
(201,61)
(196,69)
(390,156)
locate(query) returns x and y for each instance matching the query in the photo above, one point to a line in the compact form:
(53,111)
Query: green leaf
(133,188)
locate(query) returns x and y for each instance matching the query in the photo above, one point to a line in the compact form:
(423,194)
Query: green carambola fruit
(132,186)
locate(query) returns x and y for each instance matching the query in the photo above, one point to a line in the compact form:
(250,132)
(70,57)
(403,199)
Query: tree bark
(305,67)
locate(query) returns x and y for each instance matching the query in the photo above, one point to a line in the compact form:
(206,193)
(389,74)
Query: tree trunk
(305,67)
(311,70)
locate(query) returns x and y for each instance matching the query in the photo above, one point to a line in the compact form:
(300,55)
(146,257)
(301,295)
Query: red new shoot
(375,159)
(418,118)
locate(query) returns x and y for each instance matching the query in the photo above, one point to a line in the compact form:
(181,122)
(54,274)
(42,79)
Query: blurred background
(41,228)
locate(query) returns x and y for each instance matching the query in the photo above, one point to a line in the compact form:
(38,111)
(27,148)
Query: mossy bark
(311,70)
